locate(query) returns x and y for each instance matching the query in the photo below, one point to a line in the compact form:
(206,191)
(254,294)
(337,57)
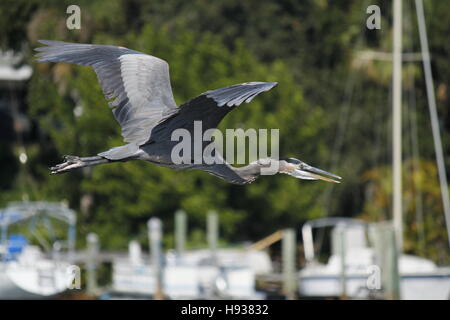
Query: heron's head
(301,170)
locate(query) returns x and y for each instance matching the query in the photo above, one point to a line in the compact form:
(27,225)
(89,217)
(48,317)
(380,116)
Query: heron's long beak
(320,174)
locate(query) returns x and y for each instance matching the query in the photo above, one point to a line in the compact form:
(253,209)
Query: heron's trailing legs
(75,162)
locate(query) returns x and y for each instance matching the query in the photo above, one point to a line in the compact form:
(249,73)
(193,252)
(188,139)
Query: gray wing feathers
(238,93)
(212,106)
(137,84)
(138,88)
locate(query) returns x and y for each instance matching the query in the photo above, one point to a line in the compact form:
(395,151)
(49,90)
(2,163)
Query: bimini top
(307,233)
(19,211)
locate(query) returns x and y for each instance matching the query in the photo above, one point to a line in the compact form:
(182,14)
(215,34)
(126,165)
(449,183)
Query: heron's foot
(71,162)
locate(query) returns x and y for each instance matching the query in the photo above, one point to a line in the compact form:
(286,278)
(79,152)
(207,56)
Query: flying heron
(138,89)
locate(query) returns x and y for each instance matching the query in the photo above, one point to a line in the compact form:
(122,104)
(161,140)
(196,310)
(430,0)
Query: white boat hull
(40,281)
(431,286)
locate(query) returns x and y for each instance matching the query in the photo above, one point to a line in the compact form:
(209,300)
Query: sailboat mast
(433,112)
(397,123)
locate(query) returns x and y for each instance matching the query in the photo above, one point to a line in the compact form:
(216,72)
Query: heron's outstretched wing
(213,105)
(137,84)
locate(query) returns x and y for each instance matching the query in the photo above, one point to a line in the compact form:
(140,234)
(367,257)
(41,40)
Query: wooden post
(342,251)
(386,254)
(288,261)
(91,263)
(134,252)
(155,236)
(213,233)
(393,266)
(180,233)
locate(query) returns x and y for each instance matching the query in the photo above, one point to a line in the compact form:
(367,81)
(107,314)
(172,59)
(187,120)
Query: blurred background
(333,106)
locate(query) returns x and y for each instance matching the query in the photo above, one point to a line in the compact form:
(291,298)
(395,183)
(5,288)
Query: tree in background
(424,221)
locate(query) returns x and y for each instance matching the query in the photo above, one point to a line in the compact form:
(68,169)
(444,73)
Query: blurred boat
(195,275)
(420,278)
(27,272)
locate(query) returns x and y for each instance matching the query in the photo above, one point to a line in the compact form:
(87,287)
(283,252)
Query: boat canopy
(17,212)
(307,234)
(20,211)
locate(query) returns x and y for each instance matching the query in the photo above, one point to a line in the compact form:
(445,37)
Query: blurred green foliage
(333,110)
(423,219)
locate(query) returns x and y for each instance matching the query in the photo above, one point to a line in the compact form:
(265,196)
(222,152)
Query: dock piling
(93,248)
(180,233)
(155,237)
(288,261)
(213,233)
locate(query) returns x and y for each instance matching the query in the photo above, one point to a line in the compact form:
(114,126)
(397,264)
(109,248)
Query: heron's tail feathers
(73,162)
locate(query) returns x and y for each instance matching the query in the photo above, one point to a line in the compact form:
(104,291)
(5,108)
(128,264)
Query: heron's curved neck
(253,170)
(236,175)
(249,172)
